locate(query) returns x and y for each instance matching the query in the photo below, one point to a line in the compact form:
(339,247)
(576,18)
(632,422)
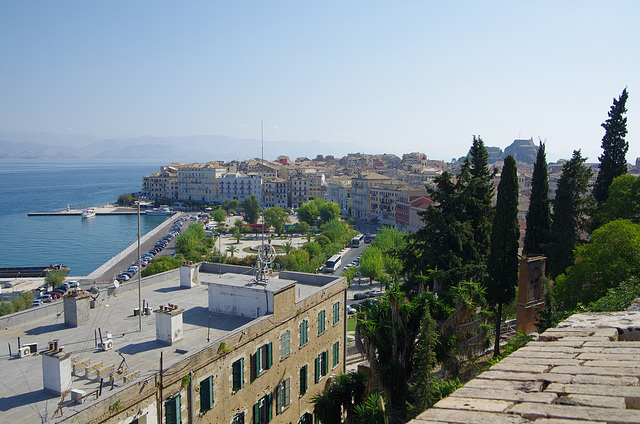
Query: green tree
(327,211)
(425,361)
(623,201)
(219,216)
(303,227)
(277,218)
(55,278)
(337,231)
(251,209)
(232,249)
(503,258)
(371,263)
(161,264)
(288,247)
(572,208)
(613,161)
(342,394)
(309,213)
(539,213)
(237,235)
(610,258)
(374,410)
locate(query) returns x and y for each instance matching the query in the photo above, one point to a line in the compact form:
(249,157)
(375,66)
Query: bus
(333,263)
(357,240)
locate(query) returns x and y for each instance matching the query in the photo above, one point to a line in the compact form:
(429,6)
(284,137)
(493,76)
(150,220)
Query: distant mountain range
(201,148)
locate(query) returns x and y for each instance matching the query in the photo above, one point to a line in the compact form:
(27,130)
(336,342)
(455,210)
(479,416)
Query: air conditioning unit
(107,345)
(24,351)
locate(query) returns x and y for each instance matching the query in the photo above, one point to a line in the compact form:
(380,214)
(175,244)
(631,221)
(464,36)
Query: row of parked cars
(147,257)
(367,295)
(49,296)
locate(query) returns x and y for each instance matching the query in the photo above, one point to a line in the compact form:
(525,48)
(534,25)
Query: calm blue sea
(40,186)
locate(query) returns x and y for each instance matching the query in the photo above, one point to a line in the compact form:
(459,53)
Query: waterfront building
(239,186)
(198,181)
(163,184)
(216,346)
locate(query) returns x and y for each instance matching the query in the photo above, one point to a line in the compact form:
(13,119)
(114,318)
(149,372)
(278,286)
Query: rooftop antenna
(266,253)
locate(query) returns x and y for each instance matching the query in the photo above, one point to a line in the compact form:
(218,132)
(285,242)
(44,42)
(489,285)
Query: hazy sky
(386,76)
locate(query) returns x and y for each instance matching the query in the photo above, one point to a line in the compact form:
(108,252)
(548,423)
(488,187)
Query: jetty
(100,210)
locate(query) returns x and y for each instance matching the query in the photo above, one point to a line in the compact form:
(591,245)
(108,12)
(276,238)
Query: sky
(380,76)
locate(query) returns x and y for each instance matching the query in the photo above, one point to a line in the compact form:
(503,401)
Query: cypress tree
(502,266)
(571,211)
(539,213)
(613,161)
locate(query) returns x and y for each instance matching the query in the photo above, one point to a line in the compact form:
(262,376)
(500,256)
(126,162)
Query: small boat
(162,210)
(88,213)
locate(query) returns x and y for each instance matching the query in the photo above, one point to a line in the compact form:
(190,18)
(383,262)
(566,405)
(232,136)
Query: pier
(100,210)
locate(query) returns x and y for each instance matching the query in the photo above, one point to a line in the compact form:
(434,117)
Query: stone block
(633,372)
(508,395)
(587,356)
(524,386)
(556,421)
(512,366)
(606,380)
(590,400)
(533,411)
(523,376)
(473,404)
(468,417)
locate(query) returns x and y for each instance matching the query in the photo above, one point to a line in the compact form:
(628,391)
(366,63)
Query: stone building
(217,346)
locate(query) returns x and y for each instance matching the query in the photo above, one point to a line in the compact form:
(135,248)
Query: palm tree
(238,236)
(342,394)
(232,249)
(288,247)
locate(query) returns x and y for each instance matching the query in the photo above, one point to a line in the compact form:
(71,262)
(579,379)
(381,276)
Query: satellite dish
(95,292)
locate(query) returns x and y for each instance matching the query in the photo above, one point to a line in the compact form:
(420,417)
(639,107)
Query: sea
(53,185)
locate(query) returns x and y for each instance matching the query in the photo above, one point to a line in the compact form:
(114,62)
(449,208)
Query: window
(206,394)
(262,413)
(321,323)
(336,354)
(238,374)
(307,418)
(238,418)
(303,333)
(263,358)
(172,410)
(336,313)
(285,348)
(304,382)
(321,365)
(283,395)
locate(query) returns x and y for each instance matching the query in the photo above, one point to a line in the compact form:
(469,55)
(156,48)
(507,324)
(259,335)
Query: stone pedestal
(169,324)
(530,292)
(56,371)
(189,275)
(76,309)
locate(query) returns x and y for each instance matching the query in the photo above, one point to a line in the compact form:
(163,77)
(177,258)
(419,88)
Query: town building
(215,345)
(239,186)
(408,204)
(276,193)
(163,184)
(198,181)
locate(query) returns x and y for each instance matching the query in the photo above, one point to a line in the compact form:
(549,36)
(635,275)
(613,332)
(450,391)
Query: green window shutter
(269,355)
(336,312)
(256,413)
(286,342)
(256,362)
(321,322)
(172,408)
(279,399)
(238,374)
(336,353)
(325,360)
(206,394)
(303,380)
(287,394)
(269,406)
(317,375)
(303,333)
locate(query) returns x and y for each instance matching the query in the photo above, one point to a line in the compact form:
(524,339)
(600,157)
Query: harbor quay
(109,209)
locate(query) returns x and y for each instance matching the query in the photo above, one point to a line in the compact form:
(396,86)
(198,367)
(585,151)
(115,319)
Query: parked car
(122,277)
(73,284)
(36,302)
(360,296)
(45,298)
(351,310)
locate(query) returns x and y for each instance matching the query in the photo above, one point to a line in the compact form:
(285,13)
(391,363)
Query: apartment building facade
(198,182)
(239,186)
(264,371)
(276,193)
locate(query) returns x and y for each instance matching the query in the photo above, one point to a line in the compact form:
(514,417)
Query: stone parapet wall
(584,371)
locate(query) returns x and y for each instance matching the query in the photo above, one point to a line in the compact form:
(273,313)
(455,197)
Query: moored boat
(88,213)
(162,210)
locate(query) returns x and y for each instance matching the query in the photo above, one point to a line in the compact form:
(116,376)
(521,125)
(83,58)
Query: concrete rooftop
(22,398)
